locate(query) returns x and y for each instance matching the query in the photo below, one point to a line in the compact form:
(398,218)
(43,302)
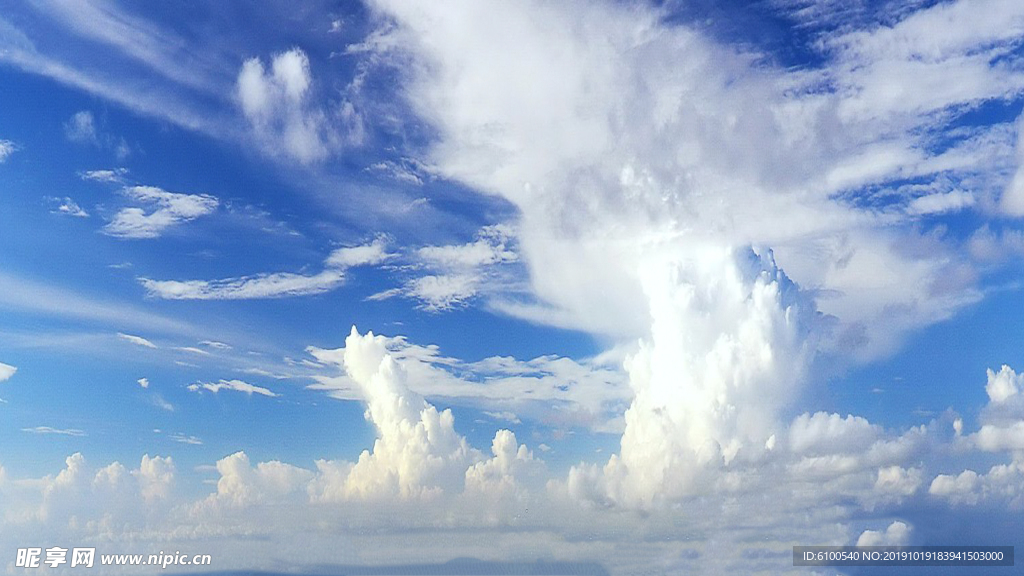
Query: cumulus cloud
(143,382)
(166,210)
(273,285)
(897,534)
(283,116)
(417,452)
(235,385)
(242,484)
(511,465)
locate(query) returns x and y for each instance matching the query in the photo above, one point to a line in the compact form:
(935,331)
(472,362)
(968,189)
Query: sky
(487,287)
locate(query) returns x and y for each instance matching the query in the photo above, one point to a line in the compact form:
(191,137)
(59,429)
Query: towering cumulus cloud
(640,201)
(417,452)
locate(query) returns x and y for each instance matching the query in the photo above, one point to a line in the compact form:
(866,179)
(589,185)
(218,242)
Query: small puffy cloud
(235,385)
(165,210)
(66,206)
(1004,384)
(143,382)
(284,119)
(81,127)
(6,149)
(960,489)
(897,482)
(57,431)
(6,371)
(897,534)
(137,340)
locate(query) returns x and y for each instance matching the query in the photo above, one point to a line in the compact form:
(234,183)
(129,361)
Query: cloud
(216,345)
(417,452)
(1004,384)
(6,371)
(143,382)
(81,127)
(560,391)
(137,340)
(186,439)
(456,273)
(6,149)
(243,484)
(941,203)
(49,430)
(110,176)
(282,115)
(509,417)
(67,206)
(155,476)
(274,285)
(168,209)
(897,534)
(236,385)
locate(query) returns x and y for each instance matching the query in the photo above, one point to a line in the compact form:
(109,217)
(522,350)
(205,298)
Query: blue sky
(687,254)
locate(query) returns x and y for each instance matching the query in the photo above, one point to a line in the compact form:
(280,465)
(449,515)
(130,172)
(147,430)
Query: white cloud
(6,371)
(558,390)
(6,149)
(67,206)
(216,345)
(58,431)
(236,385)
(282,114)
(897,534)
(456,273)
(275,285)
(365,255)
(831,433)
(504,416)
(155,476)
(168,209)
(81,127)
(186,439)
(242,484)
(113,176)
(137,340)
(417,452)
(1004,384)
(143,382)
(511,465)
(940,203)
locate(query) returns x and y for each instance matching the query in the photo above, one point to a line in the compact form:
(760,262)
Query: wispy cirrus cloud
(56,431)
(137,340)
(272,285)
